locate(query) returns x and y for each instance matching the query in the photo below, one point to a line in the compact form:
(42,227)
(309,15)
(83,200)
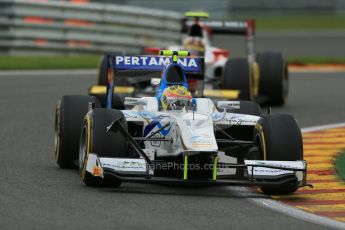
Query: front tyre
(95,139)
(279,139)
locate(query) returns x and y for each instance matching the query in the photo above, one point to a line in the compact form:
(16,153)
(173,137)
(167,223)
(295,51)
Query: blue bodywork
(151,63)
(164,83)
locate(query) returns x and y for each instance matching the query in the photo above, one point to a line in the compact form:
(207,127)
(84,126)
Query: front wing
(257,172)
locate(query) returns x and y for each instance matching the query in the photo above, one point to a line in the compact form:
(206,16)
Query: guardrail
(67,28)
(230,8)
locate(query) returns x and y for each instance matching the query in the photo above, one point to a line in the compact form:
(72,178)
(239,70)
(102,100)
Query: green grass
(91,62)
(51,62)
(340,165)
(297,22)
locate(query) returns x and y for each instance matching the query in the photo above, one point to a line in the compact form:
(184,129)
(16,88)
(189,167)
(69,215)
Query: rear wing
(245,28)
(151,63)
(232,27)
(192,67)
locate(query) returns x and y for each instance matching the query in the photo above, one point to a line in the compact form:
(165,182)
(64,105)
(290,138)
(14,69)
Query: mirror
(228,104)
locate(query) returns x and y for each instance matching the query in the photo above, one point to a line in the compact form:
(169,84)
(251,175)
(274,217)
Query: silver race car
(175,137)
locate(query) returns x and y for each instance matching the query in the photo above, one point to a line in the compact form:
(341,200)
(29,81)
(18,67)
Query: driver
(193,42)
(195,46)
(175,97)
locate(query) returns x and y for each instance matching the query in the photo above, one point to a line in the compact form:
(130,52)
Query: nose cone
(198,134)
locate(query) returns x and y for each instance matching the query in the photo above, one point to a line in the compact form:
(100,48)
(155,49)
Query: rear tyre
(249,108)
(102,71)
(118,100)
(237,76)
(274,77)
(279,138)
(95,139)
(69,115)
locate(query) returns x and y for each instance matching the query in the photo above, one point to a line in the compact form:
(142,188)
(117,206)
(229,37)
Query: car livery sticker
(156,122)
(154,63)
(201,140)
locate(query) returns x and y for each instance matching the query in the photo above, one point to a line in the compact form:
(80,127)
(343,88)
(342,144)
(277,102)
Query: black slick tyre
(249,108)
(274,77)
(69,115)
(102,71)
(236,76)
(279,139)
(102,80)
(95,139)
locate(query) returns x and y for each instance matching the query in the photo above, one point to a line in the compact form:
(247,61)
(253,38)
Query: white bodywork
(190,132)
(187,133)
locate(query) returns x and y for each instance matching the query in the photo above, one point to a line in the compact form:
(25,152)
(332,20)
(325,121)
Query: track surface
(35,193)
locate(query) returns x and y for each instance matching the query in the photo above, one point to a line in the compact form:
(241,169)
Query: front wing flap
(258,172)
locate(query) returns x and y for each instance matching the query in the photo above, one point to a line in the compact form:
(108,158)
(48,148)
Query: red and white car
(262,77)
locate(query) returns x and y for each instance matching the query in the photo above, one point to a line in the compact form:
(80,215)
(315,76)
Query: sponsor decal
(283,165)
(125,165)
(261,167)
(260,171)
(236,120)
(157,122)
(156,143)
(155,63)
(201,140)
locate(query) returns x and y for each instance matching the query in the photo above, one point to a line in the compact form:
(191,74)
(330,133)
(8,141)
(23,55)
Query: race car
(175,137)
(262,77)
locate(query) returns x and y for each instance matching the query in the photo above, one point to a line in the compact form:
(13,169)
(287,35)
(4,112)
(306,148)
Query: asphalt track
(36,194)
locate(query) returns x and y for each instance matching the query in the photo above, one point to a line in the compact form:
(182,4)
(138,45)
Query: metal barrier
(230,8)
(29,27)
